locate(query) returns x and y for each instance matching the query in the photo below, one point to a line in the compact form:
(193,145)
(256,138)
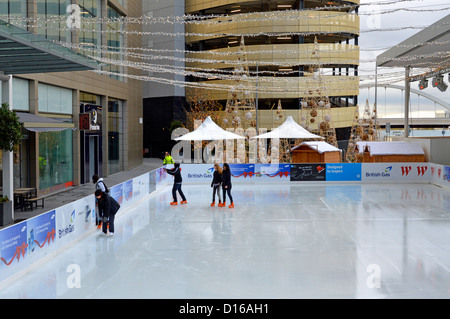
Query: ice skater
(176,172)
(215,184)
(107,209)
(226,185)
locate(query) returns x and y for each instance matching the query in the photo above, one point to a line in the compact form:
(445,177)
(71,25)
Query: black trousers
(225,191)
(177,188)
(108,221)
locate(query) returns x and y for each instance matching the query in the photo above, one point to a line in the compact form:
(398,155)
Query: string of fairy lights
(140,58)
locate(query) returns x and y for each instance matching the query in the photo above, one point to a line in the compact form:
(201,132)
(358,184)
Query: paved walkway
(71,194)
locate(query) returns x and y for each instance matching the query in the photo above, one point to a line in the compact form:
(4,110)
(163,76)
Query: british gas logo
(210,170)
(384,174)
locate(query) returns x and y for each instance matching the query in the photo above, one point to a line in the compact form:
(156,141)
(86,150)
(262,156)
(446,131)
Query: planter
(6,213)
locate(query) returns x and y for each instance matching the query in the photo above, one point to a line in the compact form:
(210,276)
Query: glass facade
(55,160)
(89,35)
(53,99)
(20,95)
(51,28)
(115,124)
(11,9)
(114,42)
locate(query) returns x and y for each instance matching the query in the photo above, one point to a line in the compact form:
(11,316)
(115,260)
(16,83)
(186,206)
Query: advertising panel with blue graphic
(343,172)
(117,193)
(195,173)
(128,190)
(242,172)
(13,248)
(41,233)
(272,172)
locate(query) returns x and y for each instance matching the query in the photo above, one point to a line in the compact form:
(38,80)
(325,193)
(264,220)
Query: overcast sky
(375,15)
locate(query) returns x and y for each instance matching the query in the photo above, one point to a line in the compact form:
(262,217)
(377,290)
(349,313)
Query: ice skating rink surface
(302,240)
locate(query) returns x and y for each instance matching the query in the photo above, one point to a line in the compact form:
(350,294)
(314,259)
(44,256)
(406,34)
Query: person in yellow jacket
(168,159)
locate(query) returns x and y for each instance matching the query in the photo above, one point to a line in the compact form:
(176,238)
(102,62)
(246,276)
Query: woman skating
(215,184)
(226,185)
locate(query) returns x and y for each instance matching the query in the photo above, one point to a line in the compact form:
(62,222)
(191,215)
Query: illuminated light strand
(437,54)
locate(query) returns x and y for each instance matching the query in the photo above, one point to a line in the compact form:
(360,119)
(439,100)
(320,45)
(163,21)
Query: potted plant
(10,135)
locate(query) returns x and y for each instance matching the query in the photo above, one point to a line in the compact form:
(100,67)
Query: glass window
(115,43)
(53,99)
(89,35)
(20,95)
(55,160)
(115,158)
(51,28)
(14,9)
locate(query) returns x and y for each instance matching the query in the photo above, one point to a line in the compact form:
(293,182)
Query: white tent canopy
(209,131)
(289,129)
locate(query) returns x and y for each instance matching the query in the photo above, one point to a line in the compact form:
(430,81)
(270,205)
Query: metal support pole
(407,91)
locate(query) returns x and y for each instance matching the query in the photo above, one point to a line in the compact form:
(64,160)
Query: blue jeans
(177,188)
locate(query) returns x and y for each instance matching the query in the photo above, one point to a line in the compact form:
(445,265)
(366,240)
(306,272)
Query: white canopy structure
(289,129)
(209,131)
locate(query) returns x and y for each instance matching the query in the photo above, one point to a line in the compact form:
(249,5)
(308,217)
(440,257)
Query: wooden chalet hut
(315,152)
(378,152)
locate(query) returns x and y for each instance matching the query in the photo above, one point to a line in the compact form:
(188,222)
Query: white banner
(393,172)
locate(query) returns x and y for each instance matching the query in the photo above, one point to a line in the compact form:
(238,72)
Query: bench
(34,201)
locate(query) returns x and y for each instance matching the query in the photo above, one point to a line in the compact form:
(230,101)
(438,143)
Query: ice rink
(300,240)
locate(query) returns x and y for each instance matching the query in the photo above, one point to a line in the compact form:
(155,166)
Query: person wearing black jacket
(215,184)
(107,209)
(176,172)
(226,185)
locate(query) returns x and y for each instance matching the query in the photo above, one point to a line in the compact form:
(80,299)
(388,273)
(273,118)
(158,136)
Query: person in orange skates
(176,172)
(226,185)
(215,184)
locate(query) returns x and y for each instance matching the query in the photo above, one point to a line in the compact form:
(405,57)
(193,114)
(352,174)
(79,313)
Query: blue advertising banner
(13,248)
(343,172)
(117,193)
(242,172)
(273,172)
(128,190)
(41,231)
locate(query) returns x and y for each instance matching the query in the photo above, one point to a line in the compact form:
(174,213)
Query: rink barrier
(24,244)
(27,243)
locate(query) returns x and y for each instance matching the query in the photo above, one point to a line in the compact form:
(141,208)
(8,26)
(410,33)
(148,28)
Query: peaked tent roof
(289,129)
(209,131)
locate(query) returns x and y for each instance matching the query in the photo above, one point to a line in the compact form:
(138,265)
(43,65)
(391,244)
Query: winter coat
(107,205)
(101,186)
(226,178)
(168,160)
(176,172)
(217,178)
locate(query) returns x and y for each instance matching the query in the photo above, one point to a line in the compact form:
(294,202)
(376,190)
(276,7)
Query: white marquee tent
(289,129)
(209,131)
